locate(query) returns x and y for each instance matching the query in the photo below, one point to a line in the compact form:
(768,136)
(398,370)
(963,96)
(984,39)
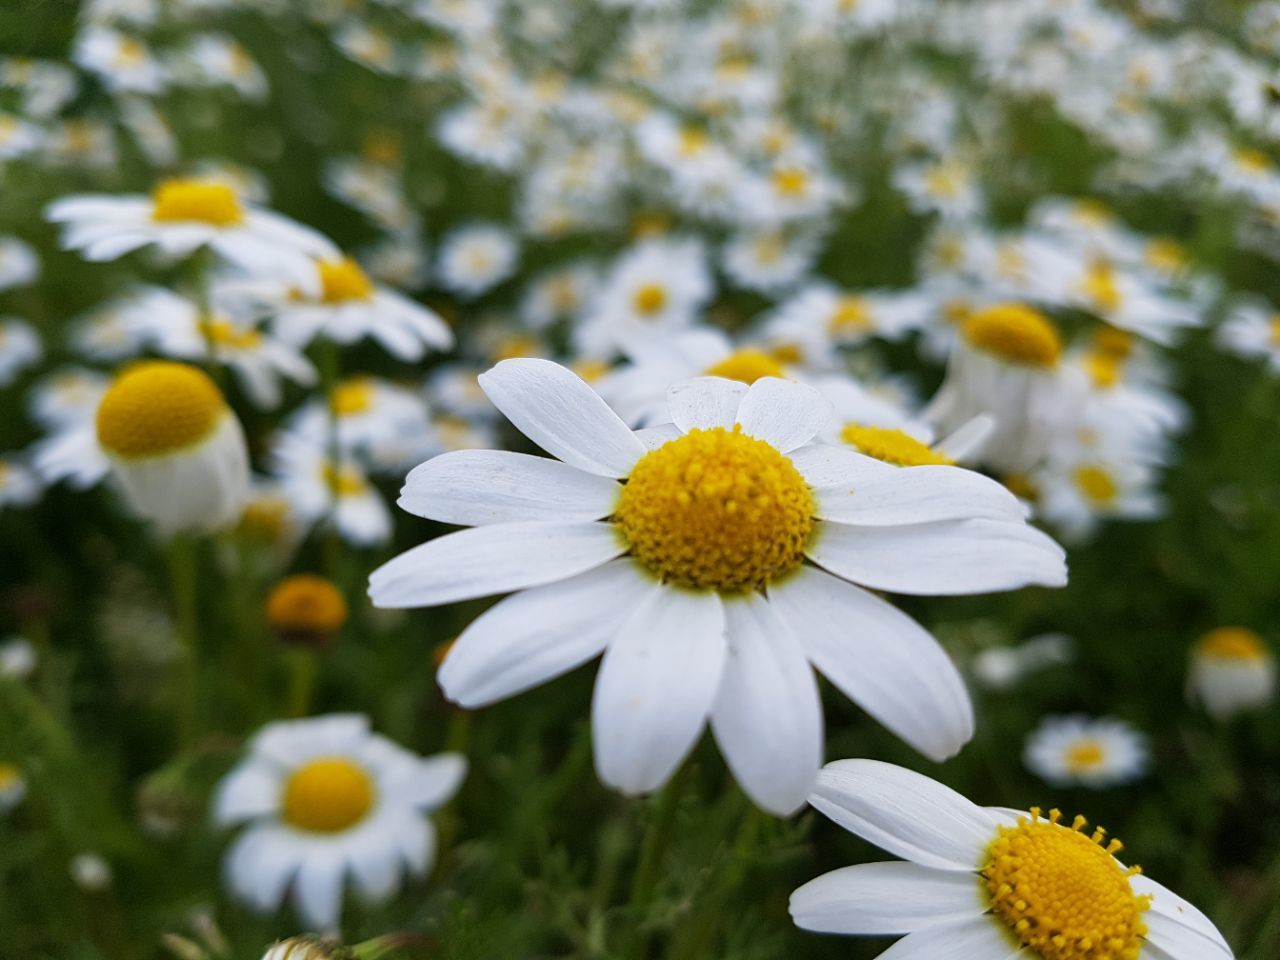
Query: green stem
(656,842)
(183,587)
(302,681)
(713,903)
(201,273)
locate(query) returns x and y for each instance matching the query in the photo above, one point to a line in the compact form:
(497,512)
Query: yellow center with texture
(193,200)
(892,446)
(1016,334)
(158,407)
(342,280)
(746,366)
(716,510)
(328,795)
(1062,893)
(1233,643)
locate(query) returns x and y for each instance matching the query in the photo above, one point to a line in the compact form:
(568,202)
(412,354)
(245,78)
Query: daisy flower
(318,489)
(384,425)
(325,799)
(19,264)
(1252,330)
(476,258)
(988,883)
(186,214)
(769,261)
(715,562)
(20,348)
(66,404)
(1232,670)
(1003,667)
(13,787)
(820,317)
(1104,752)
(19,485)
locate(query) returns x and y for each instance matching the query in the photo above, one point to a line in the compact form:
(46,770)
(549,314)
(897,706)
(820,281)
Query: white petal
(880,659)
(767,716)
(376,867)
(260,865)
(557,410)
(435,780)
(654,437)
(475,487)
(250,790)
(981,938)
(886,898)
(656,686)
(317,889)
(946,558)
(905,813)
(541,633)
(1168,904)
(705,402)
(483,561)
(823,465)
(784,413)
(911,495)
(1181,942)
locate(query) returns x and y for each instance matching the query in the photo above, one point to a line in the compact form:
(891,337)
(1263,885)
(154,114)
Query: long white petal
(784,413)
(317,889)
(880,659)
(557,410)
(823,465)
(484,561)
(767,716)
(946,558)
(1166,903)
(476,487)
(905,813)
(919,495)
(1181,942)
(886,898)
(537,634)
(656,686)
(250,790)
(705,402)
(980,938)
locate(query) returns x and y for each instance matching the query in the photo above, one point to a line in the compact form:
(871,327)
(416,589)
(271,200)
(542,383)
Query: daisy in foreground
(713,562)
(988,883)
(325,798)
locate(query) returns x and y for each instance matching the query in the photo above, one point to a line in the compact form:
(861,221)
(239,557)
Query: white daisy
(769,261)
(1252,330)
(691,576)
(476,258)
(820,317)
(20,486)
(1002,668)
(1097,753)
(386,426)
(325,799)
(19,264)
(320,490)
(1232,670)
(988,883)
(13,787)
(66,405)
(20,348)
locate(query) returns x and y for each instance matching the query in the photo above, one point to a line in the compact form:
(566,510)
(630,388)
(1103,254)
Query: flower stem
(657,840)
(302,681)
(330,364)
(183,587)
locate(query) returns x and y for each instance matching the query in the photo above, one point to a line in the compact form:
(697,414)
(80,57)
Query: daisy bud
(91,872)
(308,948)
(1231,670)
(306,610)
(176,447)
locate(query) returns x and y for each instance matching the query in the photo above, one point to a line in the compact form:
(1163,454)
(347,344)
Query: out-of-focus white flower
(13,787)
(20,348)
(1232,670)
(320,490)
(19,264)
(17,658)
(91,872)
(769,261)
(476,258)
(123,62)
(1002,668)
(20,486)
(384,425)
(1096,753)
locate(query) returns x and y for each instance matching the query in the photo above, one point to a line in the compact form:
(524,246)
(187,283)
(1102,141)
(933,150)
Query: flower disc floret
(328,795)
(1233,643)
(306,603)
(746,366)
(1062,893)
(187,200)
(342,280)
(716,510)
(156,408)
(892,446)
(1015,333)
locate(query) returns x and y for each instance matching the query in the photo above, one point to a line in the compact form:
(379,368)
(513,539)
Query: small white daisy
(320,490)
(1232,671)
(19,264)
(476,258)
(1071,750)
(20,348)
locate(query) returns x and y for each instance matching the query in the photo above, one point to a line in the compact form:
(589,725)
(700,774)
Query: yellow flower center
(1085,755)
(945,180)
(224,333)
(1274,326)
(1098,486)
(265,519)
(790,181)
(1104,369)
(352,397)
(1233,643)
(192,199)
(517,345)
(345,481)
(1022,486)
(1015,333)
(328,795)
(306,603)
(343,280)
(851,315)
(892,446)
(1092,212)
(650,299)
(692,141)
(10,776)
(1062,893)
(590,370)
(1101,288)
(158,407)
(747,366)
(716,510)
(1252,161)
(1165,255)
(1109,340)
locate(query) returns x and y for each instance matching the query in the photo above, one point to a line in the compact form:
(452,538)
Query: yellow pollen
(945,180)
(851,315)
(1085,755)
(1104,369)
(747,366)
(1101,288)
(1232,643)
(650,299)
(790,181)
(1093,213)
(345,481)
(1098,486)
(224,333)
(158,407)
(693,140)
(195,200)
(787,352)
(343,280)
(352,397)
(1062,893)
(892,446)
(1165,255)
(306,603)
(130,53)
(328,795)
(716,510)
(957,311)
(1015,333)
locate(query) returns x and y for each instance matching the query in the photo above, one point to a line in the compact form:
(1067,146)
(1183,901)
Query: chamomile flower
(1070,750)
(714,579)
(186,214)
(1252,330)
(324,800)
(988,883)
(769,261)
(123,62)
(13,787)
(820,317)
(322,490)
(175,447)
(1079,491)
(384,425)
(19,264)
(66,404)
(476,258)
(306,610)
(20,486)
(1232,670)
(20,348)
(1004,667)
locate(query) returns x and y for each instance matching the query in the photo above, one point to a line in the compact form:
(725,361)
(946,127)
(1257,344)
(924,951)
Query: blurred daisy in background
(1004,667)
(475,258)
(20,348)
(13,787)
(66,403)
(321,490)
(384,425)
(1252,330)
(1232,670)
(19,263)
(20,486)
(1079,750)
(323,800)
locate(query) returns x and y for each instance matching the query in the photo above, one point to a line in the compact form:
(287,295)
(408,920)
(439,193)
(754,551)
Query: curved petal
(483,561)
(261,864)
(912,495)
(981,938)
(886,898)
(783,413)
(946,558)
(541,633)
(656,686)
(376,867)
(823,465)
(557,410)
(1167,904)
(654,437)
(767,716)
(250,790)
(477,487)
(1181,942)
(317,889)
(705,402)
(435,780)
(880,659)
(905,813)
